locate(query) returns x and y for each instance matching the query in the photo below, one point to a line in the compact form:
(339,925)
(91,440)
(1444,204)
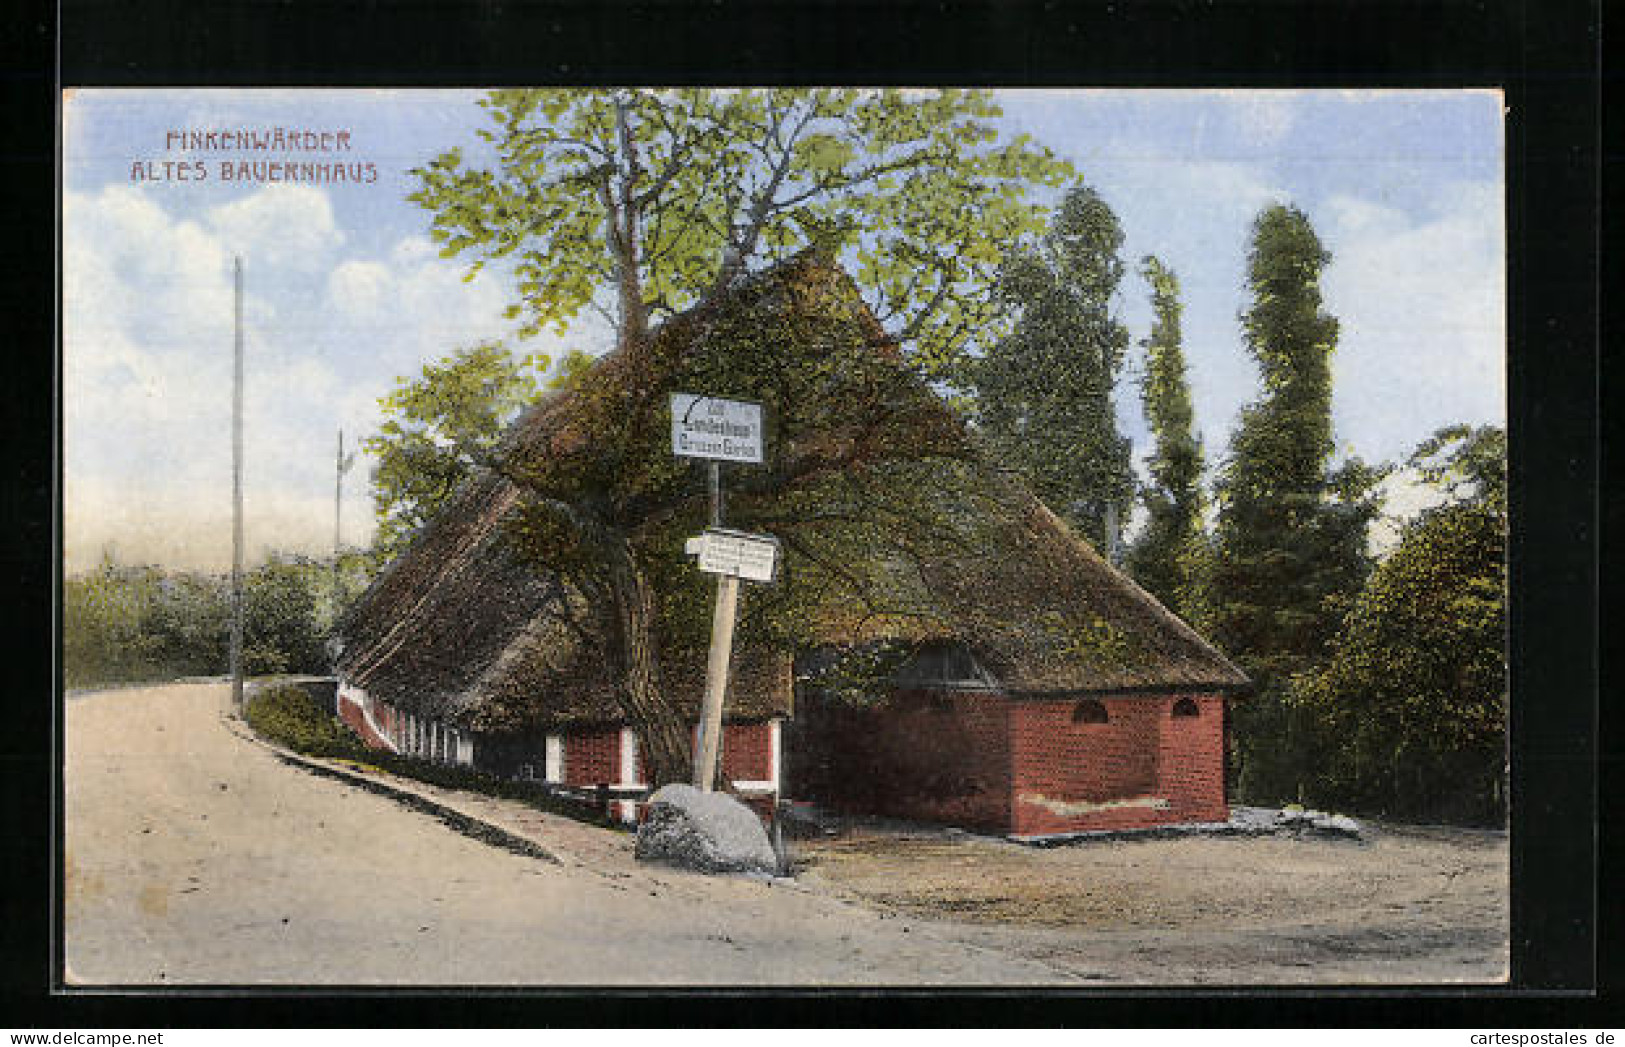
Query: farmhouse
(939,644)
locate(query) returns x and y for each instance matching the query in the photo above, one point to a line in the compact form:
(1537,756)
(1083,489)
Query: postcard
(815,537)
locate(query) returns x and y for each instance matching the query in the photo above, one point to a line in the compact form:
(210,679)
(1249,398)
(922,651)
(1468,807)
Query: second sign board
(753,557)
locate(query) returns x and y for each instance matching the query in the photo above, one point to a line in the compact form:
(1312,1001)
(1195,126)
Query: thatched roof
(886,542)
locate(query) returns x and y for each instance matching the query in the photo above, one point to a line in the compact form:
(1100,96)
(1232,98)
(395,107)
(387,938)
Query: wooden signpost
(721,430)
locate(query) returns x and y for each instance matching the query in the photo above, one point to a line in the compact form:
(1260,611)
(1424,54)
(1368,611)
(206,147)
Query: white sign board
(709,427)
(753,557)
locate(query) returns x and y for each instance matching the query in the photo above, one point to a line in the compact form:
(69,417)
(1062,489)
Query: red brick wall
(592,757)
(1140,769)
(351,714)
(747,752)
(1191,759)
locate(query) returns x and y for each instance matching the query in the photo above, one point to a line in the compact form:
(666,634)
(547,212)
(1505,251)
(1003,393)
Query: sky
(344,291)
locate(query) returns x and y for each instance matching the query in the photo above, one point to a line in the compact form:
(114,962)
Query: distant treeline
(127,624)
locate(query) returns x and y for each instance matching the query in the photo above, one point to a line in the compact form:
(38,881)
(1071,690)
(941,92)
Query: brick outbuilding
(969,751)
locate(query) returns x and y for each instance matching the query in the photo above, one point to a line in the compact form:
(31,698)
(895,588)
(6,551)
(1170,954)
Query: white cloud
(280,226)
(1404,497)
(1196,216)
(357,288)
(147,337)
(1421,302)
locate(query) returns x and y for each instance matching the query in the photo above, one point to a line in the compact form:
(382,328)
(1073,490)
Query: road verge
(467,822)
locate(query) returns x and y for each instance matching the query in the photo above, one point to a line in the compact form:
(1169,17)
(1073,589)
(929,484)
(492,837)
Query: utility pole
(338,499)
(342,466)
(237,491)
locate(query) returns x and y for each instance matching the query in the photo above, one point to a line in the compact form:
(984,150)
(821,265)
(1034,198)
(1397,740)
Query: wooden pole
(716,665)
(237,491)
(338,500)
(716,682)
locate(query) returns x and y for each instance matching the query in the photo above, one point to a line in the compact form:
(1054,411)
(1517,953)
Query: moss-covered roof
(895,529)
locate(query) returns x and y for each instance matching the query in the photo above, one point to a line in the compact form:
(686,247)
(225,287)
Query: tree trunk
(662,735)
(623,219)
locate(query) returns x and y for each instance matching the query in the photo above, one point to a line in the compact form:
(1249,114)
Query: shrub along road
(197,856)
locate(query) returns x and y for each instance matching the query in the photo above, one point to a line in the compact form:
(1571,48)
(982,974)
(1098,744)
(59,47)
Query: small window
(1186,707)
(1089,711)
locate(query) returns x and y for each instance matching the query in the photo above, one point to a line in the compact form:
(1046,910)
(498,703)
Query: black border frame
(1545,55)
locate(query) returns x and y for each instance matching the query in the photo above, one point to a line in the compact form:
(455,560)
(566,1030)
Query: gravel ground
(1404,905)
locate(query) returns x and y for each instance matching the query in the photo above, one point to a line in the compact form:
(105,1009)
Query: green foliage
(1290,544)
(133,624)
(1465,463)
(103,619)
(845,425)
(281,633)
(1044,392)
(291,718)
(571,367)
(1167,557)
(640,195)
(189,621)
(1410,708)
(856,676)
(436,427)
(348,577)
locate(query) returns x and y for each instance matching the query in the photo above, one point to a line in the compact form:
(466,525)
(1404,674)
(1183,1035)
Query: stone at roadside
(1336,825)
(1296,820)
(707,832)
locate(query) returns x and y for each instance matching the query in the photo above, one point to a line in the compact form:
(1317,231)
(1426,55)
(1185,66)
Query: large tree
(1165,556)
(1291,533)
(606,505)
(436,427)
(642,202)
(1044,392)
(1410,709)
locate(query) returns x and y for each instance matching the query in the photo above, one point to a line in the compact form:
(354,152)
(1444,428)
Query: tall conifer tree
(1290,550)
(1163,558)
(1044,393)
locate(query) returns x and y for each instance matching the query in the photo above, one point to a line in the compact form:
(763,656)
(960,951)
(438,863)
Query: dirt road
(194,856)
(1407,906)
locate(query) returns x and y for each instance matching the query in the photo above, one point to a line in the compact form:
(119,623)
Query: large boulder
(708,832)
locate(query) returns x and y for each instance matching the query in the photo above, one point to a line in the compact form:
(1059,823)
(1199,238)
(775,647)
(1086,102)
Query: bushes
(288,716)
(125,624)
(1411,706)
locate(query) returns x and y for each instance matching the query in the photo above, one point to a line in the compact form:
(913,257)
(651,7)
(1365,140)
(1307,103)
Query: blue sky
(345,291)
